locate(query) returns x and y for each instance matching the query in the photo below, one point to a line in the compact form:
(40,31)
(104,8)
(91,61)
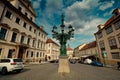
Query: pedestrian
(40,61)
(118,63)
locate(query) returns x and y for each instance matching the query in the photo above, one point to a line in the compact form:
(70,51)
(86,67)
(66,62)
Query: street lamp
(62,36)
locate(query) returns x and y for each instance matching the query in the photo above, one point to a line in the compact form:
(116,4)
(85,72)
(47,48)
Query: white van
(11,64)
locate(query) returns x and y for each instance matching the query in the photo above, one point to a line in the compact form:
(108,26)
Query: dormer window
(116,13)
(31,18)
(19,8)
(26,14)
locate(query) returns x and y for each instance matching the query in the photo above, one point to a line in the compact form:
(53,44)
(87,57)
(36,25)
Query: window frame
(115,55)
(17,20)
(5,33)
(0,51)
(8,14)
(112,43)
(117,25)
(19,8)
(109,29)
(14,36)
(22,39)
(24,24)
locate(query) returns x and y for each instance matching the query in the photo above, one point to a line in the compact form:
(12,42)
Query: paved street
(78,72)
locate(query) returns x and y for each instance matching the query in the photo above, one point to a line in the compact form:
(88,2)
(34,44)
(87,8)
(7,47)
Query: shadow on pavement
(14,73)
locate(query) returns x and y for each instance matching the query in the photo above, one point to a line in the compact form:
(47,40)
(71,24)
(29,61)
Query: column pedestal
(63,65)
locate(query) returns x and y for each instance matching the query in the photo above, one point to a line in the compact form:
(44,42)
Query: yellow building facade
(108,39)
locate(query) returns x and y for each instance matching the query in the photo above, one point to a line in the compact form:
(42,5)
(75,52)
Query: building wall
(90,51)
(77,50)
(1,9)
(35,50)
(70,53)
(112,55)
(53,51)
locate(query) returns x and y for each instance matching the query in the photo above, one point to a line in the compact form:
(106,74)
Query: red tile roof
(109,21)
(89,45)
(69,49)
(51,41)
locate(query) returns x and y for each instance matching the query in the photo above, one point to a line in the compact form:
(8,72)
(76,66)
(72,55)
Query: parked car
(10,64)
(88,61)
(73,61)
(96,63)
(54,61)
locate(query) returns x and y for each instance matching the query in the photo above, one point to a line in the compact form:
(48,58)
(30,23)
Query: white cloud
(84,4)
(90,27)
(106,5)
(76,15)
(52,7)
(36,4)
(108,13)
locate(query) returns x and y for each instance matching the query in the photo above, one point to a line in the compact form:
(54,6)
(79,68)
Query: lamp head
(70,28)
(54,29)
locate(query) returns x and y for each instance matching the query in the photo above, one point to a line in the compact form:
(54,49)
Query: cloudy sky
(83,15)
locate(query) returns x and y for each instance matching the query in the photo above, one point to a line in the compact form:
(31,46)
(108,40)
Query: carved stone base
(63,65)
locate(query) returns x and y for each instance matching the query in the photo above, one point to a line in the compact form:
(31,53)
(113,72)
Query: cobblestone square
(49,72)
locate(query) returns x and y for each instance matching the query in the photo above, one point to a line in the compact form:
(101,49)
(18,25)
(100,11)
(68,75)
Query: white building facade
(20,37)
(53,50)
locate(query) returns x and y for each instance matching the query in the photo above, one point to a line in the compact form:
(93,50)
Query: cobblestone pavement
(49,72)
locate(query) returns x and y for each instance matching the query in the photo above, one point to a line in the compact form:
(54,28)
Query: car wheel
(4,71)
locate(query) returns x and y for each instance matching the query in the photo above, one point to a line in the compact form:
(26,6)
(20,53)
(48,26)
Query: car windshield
(17,60)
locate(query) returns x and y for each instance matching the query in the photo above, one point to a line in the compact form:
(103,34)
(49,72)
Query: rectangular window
(33,43)
(31,54)
(37,54)
(31,18)
(8,14)
(0,50)
(19,8)
(115,55)
(24,25)
(27,54)
(38,44)
(17,20)
(119,39)
(39,33)
(30,28)
(109,30)
(100,35)
(40,54)
(102,46)
(10,53)
(13,37)
(26,14)
(28,41)
(34,30)
(22,39)
(117,25)
(112,43)
(3,32)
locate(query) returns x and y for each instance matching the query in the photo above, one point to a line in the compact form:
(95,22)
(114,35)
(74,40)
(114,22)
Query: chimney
(116,12)
(41,27)
(100,26)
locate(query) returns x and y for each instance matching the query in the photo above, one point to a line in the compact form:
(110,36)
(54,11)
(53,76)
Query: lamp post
(63,37)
